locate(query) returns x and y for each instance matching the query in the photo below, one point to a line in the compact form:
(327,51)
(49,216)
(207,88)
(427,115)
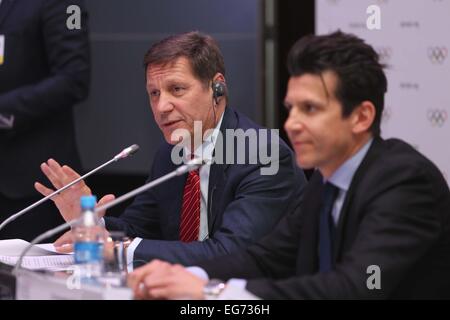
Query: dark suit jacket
(243,205)
(395,216)
(45,72)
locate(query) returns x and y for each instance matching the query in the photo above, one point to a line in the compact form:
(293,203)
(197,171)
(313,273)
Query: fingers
(66,238)
(151,289)
(64,244)
(175,283)
(159,281)
(141,293)
(66,248)
(151,281)
(164,279)
(42,189)
(53,172)
(60,176)
(104,200)
(154,293)
(55,167)
(108,249)
(71,175)
(136,277)
(158,293)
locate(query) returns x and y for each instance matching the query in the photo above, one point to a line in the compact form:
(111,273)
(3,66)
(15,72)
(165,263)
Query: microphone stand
(125,153)
(190,166)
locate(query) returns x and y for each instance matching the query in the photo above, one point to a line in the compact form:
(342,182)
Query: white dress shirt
(205,151)
(343,176)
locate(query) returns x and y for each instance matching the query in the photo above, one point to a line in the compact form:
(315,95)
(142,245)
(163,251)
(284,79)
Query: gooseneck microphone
(122,155)
(191,165)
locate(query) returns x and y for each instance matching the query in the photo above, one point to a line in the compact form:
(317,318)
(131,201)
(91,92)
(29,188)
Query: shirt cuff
(130,253)
(199,272)
(238,283)
(235,290)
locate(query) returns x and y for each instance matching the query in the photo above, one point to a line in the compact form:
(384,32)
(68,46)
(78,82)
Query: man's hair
(201,50)
(355,63)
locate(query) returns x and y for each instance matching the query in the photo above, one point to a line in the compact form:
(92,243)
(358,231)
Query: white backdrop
(414,41)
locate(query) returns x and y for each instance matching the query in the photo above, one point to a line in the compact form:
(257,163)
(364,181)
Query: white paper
(50,248)
(14,247)
(51,263)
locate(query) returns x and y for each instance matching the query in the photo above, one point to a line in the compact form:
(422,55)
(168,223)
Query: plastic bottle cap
(88,202)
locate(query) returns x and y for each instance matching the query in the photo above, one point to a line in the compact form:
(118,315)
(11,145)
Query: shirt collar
(343,176)
(206,149)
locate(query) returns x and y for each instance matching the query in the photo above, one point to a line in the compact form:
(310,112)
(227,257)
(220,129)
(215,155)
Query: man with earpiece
(224,206)
(374,221)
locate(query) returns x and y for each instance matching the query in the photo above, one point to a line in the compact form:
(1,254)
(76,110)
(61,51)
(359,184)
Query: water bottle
(88,241)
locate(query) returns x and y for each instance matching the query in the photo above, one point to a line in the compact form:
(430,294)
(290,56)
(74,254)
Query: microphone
(191,165)
(127,152)
(122,155)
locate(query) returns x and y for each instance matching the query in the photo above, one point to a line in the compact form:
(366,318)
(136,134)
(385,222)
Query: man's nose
(293,122)
(164,104)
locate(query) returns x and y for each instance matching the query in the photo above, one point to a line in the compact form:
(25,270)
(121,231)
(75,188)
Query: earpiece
(219,89)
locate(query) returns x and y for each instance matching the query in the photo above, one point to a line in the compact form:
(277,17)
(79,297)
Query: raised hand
(68,201)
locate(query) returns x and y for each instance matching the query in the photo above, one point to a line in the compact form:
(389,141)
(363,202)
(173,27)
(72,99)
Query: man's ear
(363,116)
(219,77)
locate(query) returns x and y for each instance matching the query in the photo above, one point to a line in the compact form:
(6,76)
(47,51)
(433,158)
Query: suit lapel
(217,173)
(341,231)
(5,6)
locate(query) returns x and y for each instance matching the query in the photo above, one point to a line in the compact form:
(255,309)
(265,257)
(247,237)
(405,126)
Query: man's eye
(309,108)
(178,89)
(154,93)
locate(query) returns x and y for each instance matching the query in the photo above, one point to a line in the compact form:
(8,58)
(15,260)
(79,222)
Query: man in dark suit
(227,204)
(44,73)
(374,221)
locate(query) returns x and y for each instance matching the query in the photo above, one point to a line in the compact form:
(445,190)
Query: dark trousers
(32,223)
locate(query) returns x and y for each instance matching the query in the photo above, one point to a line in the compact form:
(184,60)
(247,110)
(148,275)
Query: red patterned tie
(190,211)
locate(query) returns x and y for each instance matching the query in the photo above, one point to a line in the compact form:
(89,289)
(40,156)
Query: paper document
(50,263)
(14,247)
(49,247)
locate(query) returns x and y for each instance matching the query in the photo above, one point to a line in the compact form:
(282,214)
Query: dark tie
(326,228)
(190,210)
